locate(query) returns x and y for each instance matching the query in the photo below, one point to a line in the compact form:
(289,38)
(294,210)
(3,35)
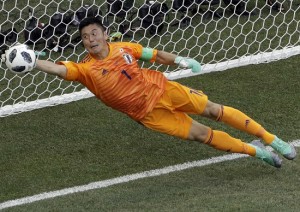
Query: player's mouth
(94,46)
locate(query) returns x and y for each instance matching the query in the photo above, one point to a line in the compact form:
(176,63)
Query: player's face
(94,39)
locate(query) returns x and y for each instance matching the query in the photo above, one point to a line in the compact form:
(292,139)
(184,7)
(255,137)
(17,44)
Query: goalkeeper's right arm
(51,68)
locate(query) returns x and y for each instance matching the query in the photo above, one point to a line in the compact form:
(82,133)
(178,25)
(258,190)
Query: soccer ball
(20,59)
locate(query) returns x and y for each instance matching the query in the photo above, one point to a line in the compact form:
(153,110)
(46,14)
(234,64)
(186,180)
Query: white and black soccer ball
(20,59)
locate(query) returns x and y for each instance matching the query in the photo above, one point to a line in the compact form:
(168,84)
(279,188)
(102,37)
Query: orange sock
(241,121)
(223,141)
(266,136)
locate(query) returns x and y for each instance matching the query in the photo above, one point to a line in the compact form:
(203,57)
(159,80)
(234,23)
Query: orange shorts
(170,113)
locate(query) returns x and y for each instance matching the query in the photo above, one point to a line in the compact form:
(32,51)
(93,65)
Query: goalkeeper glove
(185,62)
(3,57)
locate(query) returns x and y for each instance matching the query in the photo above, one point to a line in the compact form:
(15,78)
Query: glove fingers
(3,58)
(196,69)
(188,63)
(195,66)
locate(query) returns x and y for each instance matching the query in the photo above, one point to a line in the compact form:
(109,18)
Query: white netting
(220,34)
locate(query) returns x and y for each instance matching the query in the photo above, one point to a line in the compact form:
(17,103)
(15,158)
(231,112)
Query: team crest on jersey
(127,58)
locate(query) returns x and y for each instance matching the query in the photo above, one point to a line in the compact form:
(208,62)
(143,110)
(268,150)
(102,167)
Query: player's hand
(3,57)
(185,62)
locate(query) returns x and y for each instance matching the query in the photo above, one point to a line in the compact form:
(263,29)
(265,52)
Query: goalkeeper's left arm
(183,62)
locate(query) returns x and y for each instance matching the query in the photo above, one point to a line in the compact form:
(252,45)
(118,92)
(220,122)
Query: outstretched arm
(43,65)
(166,58)
(51,68)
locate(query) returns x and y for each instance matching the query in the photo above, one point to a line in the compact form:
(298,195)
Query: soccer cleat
(263,154)
(287,150)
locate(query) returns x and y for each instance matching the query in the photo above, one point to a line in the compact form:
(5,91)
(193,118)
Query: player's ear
(105,35)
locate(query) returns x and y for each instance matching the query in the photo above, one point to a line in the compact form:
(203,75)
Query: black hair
(91,20)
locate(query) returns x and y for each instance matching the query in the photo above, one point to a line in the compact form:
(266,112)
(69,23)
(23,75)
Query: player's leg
(168,117)
(223,141)
(179,124)
(218,139)
(241,121)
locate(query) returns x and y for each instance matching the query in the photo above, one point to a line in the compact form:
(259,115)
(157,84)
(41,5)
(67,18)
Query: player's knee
(212,110)
(198,132)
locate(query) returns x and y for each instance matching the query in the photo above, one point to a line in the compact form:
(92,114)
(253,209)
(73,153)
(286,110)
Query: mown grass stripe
(123,179)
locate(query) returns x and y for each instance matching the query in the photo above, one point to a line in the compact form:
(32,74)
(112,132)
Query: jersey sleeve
(73,70)
(137,51)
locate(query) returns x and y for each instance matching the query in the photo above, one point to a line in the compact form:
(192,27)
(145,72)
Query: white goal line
(124,179)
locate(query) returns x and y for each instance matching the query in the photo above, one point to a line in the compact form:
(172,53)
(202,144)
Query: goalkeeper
(112,73)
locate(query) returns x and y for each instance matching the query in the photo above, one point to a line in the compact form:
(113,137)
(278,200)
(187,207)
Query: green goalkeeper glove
(185,62)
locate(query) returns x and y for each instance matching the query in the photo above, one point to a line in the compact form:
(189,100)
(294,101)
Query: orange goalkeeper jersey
(118,81)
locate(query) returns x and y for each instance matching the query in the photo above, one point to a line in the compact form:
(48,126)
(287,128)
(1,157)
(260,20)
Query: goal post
(220,34)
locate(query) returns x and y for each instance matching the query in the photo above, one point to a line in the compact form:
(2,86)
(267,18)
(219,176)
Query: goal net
(221,34)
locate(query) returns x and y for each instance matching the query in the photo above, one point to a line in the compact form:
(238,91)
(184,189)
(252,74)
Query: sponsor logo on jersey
(247,122)
(104,71)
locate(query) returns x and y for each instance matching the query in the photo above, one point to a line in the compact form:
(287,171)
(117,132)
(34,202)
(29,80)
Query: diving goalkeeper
(112,73)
